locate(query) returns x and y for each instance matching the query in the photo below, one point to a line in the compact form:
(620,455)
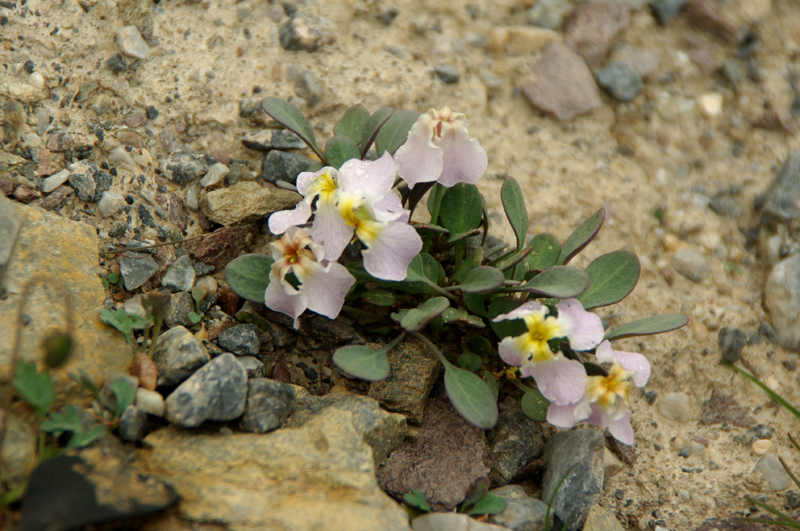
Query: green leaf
(292,119)
(423,268)
(113,278)
(656,324)
(195,317)
(508,328)
(362,362)
(612,277)
(119,320)
(81,439)
(416,318)
(469,361)
(461,236)
(373,127)
(516,212)
(124,392)
(379,297)
(470,263)
(546,249)
(340,149)
(395,131)
(489,504)
(460,210)
(481,346)
(248,276)
(69,421)
(416,499)
(474,303)
(352,123)
(482,279)
(579,239)
(35,388)
(453,315)
(477,491)
(86,381)
(535,405)
(560,282)
(491,383)
(471,397)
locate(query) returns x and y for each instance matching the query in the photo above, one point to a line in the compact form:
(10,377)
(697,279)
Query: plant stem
(433,348)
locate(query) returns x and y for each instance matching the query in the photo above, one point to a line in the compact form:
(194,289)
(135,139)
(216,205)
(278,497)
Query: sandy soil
(206,56)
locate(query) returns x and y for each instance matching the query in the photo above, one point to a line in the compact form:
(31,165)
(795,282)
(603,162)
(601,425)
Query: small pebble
(731,341)
(447,73)
(216,173)
(666,10)
(132,424)
(761,446)
(116,63)
(242,340)
(691,264)
(150,402)
(710,104)
(110,203)
(620,81)
(54,181)
(131,43)
(180,276)
(676,406)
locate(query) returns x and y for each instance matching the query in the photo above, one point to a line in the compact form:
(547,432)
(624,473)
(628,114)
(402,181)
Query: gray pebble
(772,471)
(782,298)
(548,13)
(731,341)
(676,406)
(180,275)
(133,424)
(666,10)
(184,165)
(620,81)
(766,331)
(725,205)
(242,340)
(267,140)
(10,225)
(116,63)
(181,304)
(734,73)
(253,366)
(218,391)
(691,264)
(522,512)
(577,456)
(88,181)
(782,200)
(281,166)
(268,405)
(178,355)
(13,121)
(304,32)
(136,269)
(447,73)
(131,43)
(307,87)
(246,107)
(516,440)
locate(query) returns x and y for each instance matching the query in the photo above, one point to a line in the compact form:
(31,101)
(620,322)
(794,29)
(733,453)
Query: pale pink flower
(560,379)
(438,148)
(316,284)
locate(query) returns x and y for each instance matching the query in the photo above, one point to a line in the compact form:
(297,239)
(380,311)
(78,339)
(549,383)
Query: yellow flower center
(541,329)
(357,216)
(611,391)
(325,186)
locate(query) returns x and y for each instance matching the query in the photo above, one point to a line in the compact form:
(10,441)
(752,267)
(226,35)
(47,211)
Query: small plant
(478,501)
(349,241)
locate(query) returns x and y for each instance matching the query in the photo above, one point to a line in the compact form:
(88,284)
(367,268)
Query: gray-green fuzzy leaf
(612,277)
(560,282)
(514,206)
(581,237)
(656,324)
(471,397)
(362,362)
(248,276)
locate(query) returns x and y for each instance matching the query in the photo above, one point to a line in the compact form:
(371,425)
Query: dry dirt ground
(206,56)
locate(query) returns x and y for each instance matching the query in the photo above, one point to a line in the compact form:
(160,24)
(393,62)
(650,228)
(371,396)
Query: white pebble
(710,104)
(131,43)
(36,80)
(149,401)
(192,198)
(685,495)
(215,174)
(207,282)
(110,203)
(54,181)
(120,154)
(676,406)
(761,446)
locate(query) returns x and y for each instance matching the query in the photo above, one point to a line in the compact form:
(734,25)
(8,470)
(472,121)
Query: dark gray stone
(522,512)
(766,331)
(178,355)
(184,165)
(304,33)
(88,181)
(516,440)
(731,341)
(281,166)
(218,391)
(180,275)
(242,340)
(548,13)
(136,269)
(133,424)
(251,364)
(116,63)
(782,201)
(246,107)
(782,298)
(268,405)
(666,10)
(181,304)
(9,232)
(447,73)
(267,140)
(725,205)
(734,73)
(620,81)
(576,456)
(90,486)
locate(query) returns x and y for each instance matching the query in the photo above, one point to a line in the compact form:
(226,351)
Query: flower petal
(330,230)
(390,253)
(306,178)
(418,160)
(567,416)
(583,329)
(509,352)
(328,287)
(526,309)
(464,159)
(370,178)
(279,222)
(276,298)
(561,381)
(630,361)
(621,429)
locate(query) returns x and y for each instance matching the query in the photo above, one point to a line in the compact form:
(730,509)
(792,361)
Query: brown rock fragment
(590,29)
(178,214)
(562,84)
(56,197)
(23,194)
(722,407)
(144,368)
(222,245)
(711,15)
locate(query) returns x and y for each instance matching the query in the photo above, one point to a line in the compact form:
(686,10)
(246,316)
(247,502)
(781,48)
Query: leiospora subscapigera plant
(350,243)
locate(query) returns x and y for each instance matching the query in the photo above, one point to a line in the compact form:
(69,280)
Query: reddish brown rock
(562,84)
(590,29)
(228,301)
(222,245)
(144,368)
(56,197)
(711,15)
(722,407)
(178,214)
(23,194)
(133,119)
